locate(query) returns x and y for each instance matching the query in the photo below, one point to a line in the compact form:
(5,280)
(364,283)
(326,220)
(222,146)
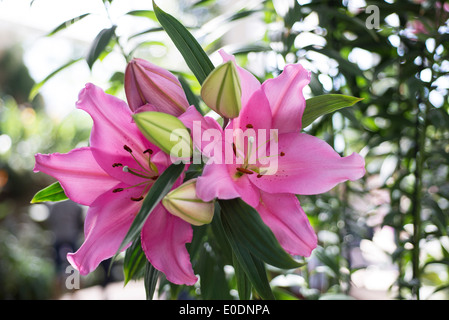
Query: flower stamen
(243,170)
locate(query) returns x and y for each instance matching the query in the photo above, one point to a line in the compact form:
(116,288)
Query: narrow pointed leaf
(157,192)
(143,13)
(35,90)
(243,283)
(324,104)
(255,271)
(53,192)
(244,227)
(67,24)
(150,279)
(134,262)
(194,55)
(250,270)
(99,45)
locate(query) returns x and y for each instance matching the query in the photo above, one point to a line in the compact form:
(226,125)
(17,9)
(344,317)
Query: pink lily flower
(111,177)
(151,88)
(306,165)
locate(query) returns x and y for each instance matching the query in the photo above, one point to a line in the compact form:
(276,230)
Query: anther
(148,151)
(234,148)
(154,178)
(128,149)
(115,165)
(242,170)
(249,126)
(137,199)
(259,176)
(282,154)
(118,190)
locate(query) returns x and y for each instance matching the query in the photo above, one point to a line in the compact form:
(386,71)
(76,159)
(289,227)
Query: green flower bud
(166,132)
(221,91)
(183,203)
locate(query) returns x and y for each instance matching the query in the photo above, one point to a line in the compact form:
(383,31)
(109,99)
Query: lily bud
(146,83)
(221,91)
(167,132)
(183,203)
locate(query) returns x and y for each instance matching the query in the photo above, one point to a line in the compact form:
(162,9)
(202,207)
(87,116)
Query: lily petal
(258,116)
(215,182)
(285,217)
(286,98)
(107,222)
(163,240)
(309,166)
(82,179)
(113,129)
(219,181)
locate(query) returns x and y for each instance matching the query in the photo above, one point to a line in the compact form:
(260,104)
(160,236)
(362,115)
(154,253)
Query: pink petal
(286,98)
(248,83)
(309,166)
(82,179)
(255,114)
(113,128)
(107,222)
(216,182)
(163,240)
(219,181)
(285,217)
(247,191)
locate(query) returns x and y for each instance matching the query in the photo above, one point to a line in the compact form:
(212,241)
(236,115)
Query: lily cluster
(133,143)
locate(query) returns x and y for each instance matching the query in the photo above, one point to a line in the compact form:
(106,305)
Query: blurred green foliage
(400,67)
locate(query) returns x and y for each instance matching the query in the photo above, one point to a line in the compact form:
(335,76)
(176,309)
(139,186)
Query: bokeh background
(382,237)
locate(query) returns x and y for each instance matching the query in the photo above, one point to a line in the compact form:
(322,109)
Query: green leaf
(134,262)
(150,279)
(35,90)
(324,104)
(210,268)
(248,268)
(143,13)
(67,24)
(243,284)
(244,228)
(99,45)
(158,191)
(255,271)
(53,192)
(194,55)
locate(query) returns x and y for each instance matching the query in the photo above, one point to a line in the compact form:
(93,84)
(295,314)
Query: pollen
(243,170)
(115,165)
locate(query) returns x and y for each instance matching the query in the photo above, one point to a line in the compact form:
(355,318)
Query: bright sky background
(27,25)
